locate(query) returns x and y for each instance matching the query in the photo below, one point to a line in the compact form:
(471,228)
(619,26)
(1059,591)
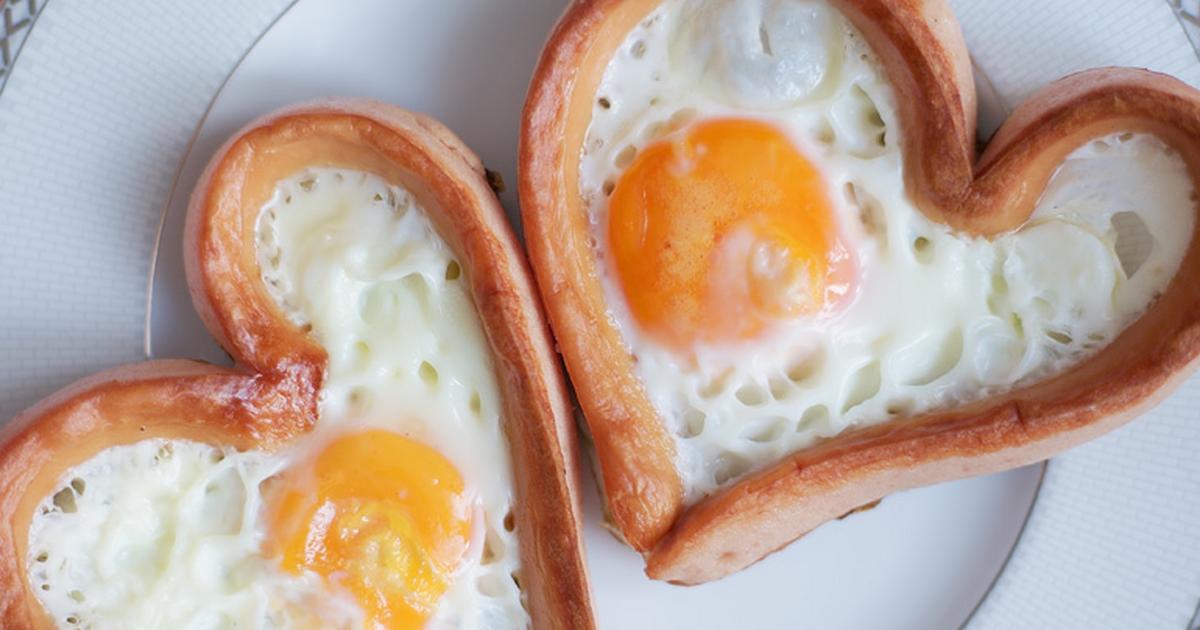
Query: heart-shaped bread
(275,397)
(922,110)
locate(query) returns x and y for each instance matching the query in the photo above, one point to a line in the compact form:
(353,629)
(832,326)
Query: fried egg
(396,511)
(774,281)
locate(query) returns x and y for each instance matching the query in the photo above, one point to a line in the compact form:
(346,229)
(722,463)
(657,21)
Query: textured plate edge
(1037,493)
(24,28)
(147,346)
(1189,21)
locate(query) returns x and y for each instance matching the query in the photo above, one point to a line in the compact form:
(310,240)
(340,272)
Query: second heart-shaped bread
(651,124)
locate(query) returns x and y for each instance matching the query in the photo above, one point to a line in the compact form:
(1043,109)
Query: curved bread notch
(271,396)
(926,62)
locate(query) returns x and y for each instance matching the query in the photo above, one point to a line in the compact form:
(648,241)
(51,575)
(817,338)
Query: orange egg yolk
(721,230)
(381,516)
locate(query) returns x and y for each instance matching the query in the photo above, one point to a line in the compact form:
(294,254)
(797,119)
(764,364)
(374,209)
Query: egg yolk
(384,517)
(721,230)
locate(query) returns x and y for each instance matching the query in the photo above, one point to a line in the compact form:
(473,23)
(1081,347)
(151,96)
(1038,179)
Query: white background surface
(95,126)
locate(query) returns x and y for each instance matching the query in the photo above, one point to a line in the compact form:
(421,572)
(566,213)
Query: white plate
(114,108)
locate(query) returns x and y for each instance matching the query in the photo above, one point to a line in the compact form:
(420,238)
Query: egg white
(166,534)
(169,533)
(360,262)
(939,318)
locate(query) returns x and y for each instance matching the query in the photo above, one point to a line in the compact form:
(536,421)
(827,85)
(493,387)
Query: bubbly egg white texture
(939,318)
(166,534)
(360,262)
(170,533)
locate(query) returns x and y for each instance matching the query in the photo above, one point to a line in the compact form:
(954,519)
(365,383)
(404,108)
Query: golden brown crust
(636,453)
(927,64)
(272,396)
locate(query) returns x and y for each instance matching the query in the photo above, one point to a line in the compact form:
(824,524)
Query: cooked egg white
(360,262)
(773,302)
(166,534)
(396,511)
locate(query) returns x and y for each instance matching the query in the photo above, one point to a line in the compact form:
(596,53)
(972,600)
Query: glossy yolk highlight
(382,516)
(721,230)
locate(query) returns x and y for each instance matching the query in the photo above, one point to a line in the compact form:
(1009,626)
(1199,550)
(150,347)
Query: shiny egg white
(170,533)
(938,318)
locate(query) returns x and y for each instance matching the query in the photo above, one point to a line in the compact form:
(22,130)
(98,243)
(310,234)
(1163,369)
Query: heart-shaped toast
(393,447)
(785,285)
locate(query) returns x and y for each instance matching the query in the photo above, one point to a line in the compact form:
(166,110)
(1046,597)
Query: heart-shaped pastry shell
(926,62)
(271,396)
